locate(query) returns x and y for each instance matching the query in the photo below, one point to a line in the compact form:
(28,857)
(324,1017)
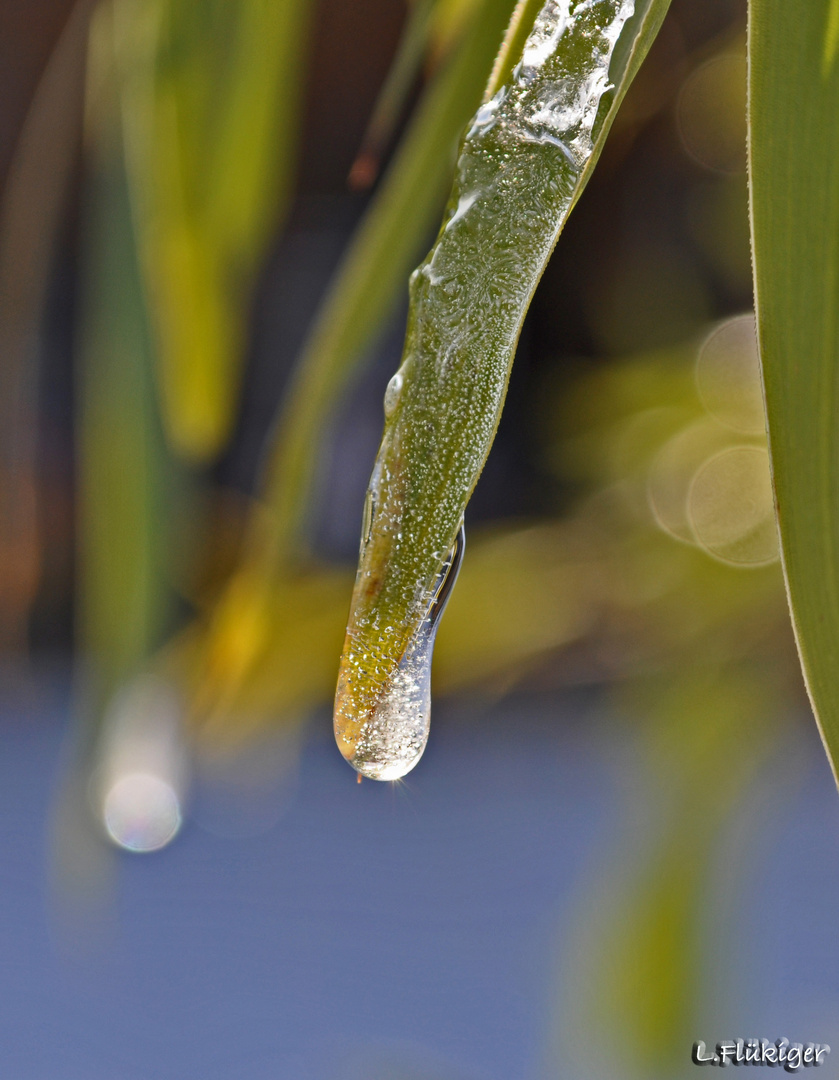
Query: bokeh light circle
(141,812)
(731,508)
(672,471)
(728,376)
(711,114)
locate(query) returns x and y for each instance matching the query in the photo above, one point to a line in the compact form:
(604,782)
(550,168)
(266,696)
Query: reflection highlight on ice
(393,737)
(142,774)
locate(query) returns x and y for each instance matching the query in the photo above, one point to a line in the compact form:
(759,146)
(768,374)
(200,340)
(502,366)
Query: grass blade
(793,155)
(523,164)
(123,470)
(412,49)
(210,98)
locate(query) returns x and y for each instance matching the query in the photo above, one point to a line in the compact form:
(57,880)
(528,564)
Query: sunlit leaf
(523,164)
(793,150)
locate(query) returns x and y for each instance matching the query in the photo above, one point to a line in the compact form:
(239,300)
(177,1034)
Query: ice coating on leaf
(391,738)
(520,169)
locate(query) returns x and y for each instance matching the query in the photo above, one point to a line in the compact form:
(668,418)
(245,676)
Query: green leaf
(523,164)
(640,975)
(124,473)
(210,101)
(794,177)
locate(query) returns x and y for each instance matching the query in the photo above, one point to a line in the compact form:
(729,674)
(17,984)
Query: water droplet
(392,394)
(392,738)
(367,518)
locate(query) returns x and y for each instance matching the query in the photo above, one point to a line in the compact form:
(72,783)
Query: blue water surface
(376,931)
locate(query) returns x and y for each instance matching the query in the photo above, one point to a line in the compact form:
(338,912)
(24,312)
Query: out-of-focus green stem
(210,99)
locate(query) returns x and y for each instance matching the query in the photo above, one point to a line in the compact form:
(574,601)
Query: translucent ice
(522,164)
(390,740)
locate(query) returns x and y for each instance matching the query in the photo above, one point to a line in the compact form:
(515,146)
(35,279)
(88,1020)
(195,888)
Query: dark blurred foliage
(28,34)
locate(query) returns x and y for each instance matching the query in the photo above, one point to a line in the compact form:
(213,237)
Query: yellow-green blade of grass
(122,477)
(794,178)
(211,97)
(641,973)
(524,161)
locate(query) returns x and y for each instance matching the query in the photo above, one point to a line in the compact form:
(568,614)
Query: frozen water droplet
(392,738)
(392,394)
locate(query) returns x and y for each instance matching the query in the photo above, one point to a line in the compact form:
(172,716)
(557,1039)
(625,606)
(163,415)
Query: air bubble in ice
(392,394)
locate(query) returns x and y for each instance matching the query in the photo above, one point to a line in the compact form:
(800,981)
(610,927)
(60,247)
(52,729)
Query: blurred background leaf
(123,472)
(35,198)
(210,100)
(374,271)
